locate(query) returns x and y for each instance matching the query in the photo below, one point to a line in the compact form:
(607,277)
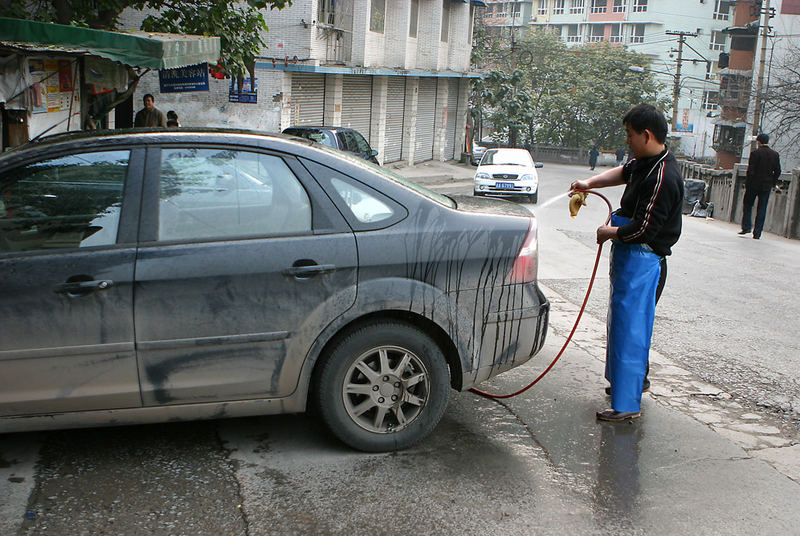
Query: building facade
(395,70)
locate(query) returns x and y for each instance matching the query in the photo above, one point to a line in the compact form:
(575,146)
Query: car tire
(356,405)
(534,198)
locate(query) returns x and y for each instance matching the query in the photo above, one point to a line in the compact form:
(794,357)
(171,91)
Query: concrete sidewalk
(433,171)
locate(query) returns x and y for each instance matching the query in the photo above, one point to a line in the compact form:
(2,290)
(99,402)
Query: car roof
(313,127)
(109,138)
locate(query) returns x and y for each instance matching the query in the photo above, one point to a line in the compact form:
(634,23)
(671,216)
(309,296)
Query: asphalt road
(716,450)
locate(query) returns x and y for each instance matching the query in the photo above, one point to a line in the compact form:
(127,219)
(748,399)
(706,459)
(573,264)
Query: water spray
(577,200)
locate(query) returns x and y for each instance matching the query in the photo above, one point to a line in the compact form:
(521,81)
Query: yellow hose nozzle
(577,200)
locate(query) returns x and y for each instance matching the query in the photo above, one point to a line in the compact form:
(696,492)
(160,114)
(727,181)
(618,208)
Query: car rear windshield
(312,134)
(391,175)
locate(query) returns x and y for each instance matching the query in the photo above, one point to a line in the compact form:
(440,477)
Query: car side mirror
(538,164)
(373,153)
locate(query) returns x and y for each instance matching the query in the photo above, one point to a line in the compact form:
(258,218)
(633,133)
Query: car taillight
(526,265)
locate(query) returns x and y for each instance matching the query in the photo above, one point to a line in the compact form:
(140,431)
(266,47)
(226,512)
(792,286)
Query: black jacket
(763,169)
(653,199)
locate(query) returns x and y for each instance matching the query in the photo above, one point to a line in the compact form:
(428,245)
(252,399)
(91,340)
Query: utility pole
(757,105)
(676,88)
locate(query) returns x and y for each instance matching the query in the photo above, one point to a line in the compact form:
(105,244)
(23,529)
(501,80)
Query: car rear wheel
(383,387)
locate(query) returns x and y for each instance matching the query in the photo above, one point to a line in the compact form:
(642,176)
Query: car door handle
(81,288)
(309,270)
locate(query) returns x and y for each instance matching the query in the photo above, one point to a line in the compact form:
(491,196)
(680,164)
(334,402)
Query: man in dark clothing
(763,171)
(593,154)
(643,232)
(620,154)
(149,116)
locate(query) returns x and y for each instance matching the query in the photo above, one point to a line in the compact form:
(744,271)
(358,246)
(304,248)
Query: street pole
(757,105)
(676,88)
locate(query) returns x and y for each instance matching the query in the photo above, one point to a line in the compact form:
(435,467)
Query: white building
(395,70)
(647,27)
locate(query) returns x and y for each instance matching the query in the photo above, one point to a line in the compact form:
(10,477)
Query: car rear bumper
(512,337)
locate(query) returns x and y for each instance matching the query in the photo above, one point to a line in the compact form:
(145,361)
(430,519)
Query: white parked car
(507,172)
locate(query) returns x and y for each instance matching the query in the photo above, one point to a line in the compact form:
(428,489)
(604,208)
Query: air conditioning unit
(699,31)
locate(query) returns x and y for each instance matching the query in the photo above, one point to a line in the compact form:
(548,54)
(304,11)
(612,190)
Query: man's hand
(606,232)
(579,185)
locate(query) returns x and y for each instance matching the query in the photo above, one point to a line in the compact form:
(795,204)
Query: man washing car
(643,231)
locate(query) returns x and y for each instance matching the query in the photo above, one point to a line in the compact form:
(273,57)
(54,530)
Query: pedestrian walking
(149,116)
(620,153)
(593,154)
(643,231)
(763,170)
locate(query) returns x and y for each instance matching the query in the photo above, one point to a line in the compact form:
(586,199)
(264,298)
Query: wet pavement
(705,458)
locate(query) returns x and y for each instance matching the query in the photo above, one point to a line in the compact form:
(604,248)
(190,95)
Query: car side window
(344,141)
(219,193)
(366,207)
(359,143)
(68,202)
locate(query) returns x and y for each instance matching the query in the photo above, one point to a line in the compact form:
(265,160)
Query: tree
(569,96)
(782,99)
(237,24)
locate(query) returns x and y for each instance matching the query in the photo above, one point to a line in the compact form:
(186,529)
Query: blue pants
(750,195)
(635,274)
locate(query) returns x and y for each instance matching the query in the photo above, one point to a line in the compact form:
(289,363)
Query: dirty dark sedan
(160,275)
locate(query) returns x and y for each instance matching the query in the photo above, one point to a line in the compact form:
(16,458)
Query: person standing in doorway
(763,170)
(643,231)
(149,116)
(593,154)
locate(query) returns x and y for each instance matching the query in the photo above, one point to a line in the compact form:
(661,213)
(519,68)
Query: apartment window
(599,6)
(445,21)
(718,40)
(558,7)
(326,13)
(577,7)
(710,99)
(377,16)
(572,34)
(710,74)
(722,10)
(413,18)
(619,6)
(596,33)
(637,33)
(616,33)
(516,7)
(542,8)
(639,6)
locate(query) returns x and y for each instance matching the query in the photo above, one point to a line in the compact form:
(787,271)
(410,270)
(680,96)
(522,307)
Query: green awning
(137,49)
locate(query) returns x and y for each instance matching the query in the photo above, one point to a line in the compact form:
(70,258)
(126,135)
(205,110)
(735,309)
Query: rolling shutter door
(426,115)
(308,99)
(395,108)
(452,115)
(357,103)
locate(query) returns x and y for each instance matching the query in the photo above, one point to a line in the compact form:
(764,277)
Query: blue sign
(184,79)
(248,94)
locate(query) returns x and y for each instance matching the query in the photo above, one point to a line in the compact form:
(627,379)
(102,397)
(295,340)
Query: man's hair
(647,117)
(148,95)
(763,138)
